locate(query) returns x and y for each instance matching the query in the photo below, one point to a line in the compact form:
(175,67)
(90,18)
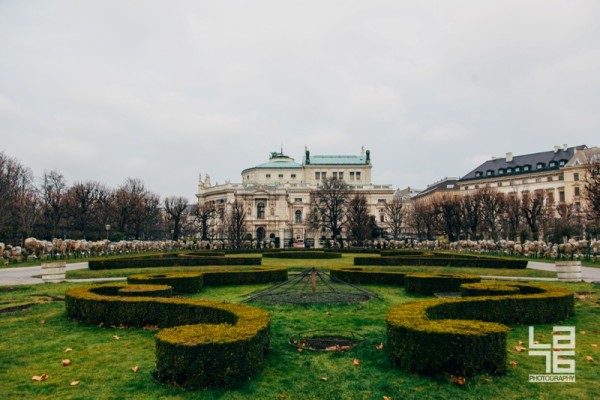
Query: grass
(103,364)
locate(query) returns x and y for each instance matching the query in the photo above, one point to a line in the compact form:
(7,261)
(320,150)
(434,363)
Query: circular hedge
(146,290)
(428,284)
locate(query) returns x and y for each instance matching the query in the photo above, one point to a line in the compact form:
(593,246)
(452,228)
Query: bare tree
(53,191)
(129,207)
(532,208)
(394,216)
(235,223)
(492,209)
(423,219)
(448,210)
(329,207)
(514,214)
(82,206)
(471,214)
(205,213)
(16,185)
(591,193)
(359,220)
(175,208)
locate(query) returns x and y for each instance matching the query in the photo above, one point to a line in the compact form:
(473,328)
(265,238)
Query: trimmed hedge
(477,262)
(487,289)
(206,343)
(393,253)
(192,282)
(186,261)
(428,284)
(181,282)
(146,291)
(302,254)
(467,336)
(365,276)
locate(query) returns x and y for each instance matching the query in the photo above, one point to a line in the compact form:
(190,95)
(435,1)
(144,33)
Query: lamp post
(107,227)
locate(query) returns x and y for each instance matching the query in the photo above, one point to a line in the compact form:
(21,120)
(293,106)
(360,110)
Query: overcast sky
(165,90)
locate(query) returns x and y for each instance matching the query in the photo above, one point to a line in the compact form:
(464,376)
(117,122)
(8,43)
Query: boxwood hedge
(466,336)
(181,282)
(443,260)
(180,261)
(487,289)
(302,254)
(367,276)
(204,343)
(428,284)
(146,291)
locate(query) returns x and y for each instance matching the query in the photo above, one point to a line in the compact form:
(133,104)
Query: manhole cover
(326,340)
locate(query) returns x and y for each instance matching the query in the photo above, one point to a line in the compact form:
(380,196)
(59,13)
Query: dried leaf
(583,332)
(68,350)
(379,346)
(594,345)
(324,379)
(299,350)
(116,337)
(74,383)
(459,380)
(589,358)
(282,396)
(520,342)
(101,324)
(40,378)
(520,348)
(483,378)
(387,398)
(42,321)
(513,363)
(356,362)
(135,368)
(328,314)
(66,362)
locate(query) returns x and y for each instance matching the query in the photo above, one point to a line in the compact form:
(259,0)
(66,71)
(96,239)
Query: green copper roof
(336,160)
(279,164)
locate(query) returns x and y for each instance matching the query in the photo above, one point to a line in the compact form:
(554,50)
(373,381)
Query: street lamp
(107,227)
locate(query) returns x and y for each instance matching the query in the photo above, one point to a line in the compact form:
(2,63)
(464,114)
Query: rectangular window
(323,175)
(577,206)
(281,175)
(268,176)
(298,200)
(334,175)
(352,175)
(575,176)
(538,179)
(499,184)
(357,176)
(561,177)
(525,180)
(317,175)
(561,196)
(577,191)
(381,200)
(549,179)
(293,176)
(341,175)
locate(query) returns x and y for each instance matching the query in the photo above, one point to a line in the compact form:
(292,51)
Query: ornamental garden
(389,324)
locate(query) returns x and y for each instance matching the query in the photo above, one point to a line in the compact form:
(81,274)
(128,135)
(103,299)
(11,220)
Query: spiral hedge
(466,336)
(181,260)
(442,259)
(203,343)
(428,284)
(316,255)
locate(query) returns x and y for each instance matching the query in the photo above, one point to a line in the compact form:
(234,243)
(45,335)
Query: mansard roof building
(276,194)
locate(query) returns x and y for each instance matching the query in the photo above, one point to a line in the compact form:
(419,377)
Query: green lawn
(34,340)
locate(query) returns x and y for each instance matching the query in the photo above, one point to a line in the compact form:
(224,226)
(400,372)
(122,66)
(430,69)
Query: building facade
(276,195)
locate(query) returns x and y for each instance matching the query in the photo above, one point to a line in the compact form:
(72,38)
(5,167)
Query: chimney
(565,147)
(368,160)
(509,157)
(556,149)
(307,157)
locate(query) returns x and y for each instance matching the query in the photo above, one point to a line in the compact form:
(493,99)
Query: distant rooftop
(336,160)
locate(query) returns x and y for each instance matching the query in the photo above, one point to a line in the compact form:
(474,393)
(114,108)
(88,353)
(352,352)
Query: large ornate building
(276,195)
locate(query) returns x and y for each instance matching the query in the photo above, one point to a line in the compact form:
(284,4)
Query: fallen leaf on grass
(74,383)
(328,314)
(379,346)
(324,379)
(101,324)
(42,321)
(299,350)
(459,380)
(513,363)
(594,345)
(68,350)
(387,398)
(282,396)
(40,378)
(520,342)
(135,369)
(589,358)
(483,378)
(66,362)
(520,348)
(116,337)
(583,332)
(356,362)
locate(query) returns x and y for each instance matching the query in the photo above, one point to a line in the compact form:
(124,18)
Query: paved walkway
(25,275)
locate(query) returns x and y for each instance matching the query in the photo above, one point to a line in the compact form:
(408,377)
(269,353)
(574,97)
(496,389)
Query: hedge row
(179,261)
(146,291)
(467,336)
(428,284)
(302,254)
(206,343)
(478,262)
(192,282)
(180,282)
(365,276)
(393,253)
(487,289)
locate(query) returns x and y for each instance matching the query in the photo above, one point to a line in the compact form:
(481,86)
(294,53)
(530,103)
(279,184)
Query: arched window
(260,210)
(298,217)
